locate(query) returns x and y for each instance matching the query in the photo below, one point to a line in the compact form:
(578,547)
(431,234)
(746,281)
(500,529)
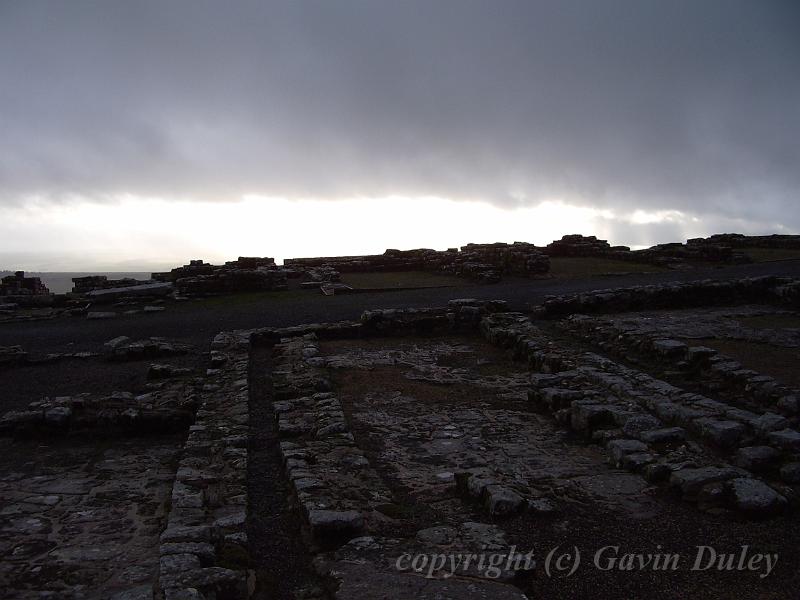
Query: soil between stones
(282,563)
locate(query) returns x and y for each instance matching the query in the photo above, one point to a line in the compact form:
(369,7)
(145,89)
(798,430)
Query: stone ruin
(580,245)
(694,250)
(447,429)
(100,289)
(247,274)
(90,283)
(738,240)
(715,249)
(488,263)
(24,291)
(730,248)
(485,263)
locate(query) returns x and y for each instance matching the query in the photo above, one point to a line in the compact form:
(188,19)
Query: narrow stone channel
(283,566)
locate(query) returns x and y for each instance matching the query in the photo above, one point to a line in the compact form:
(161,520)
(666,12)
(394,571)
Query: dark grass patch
(767,254)
(280,558)
(249,299)
(777,362)
(24,384)
(401,279)
(771,321)
(566,267)
(679,529)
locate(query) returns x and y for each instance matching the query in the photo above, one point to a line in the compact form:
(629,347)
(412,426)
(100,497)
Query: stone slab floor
(81,519)
(425,409)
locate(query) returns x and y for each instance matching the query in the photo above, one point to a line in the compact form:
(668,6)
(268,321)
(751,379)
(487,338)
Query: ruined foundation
(308,461)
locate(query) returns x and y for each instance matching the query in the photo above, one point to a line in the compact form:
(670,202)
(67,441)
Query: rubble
(123,348)
(96,315)
(160,371)
(163,410)
(754,497)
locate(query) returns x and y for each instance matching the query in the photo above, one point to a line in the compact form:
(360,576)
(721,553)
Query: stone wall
(738,240)
(247,274)
(391,260)
(193,269)
(166,410)
(580,245)
(19,285)
(24,291)
(459,315)
(696,250)
(718,248)
(483,262)
(714,249)
(324,465)
(203,551)
(645,424)
(204,547)
(82,285)
(489,262)
(708,292)
(713,370)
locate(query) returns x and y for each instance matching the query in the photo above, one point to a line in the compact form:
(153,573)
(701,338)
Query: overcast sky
(654,120)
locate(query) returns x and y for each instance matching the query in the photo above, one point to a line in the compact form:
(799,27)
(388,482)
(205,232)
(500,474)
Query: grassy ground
(780,363)
(560,267)
(400,279)
(574,267)
(765,254)
(771,321)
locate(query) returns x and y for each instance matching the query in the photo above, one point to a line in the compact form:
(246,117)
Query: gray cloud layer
(687,105)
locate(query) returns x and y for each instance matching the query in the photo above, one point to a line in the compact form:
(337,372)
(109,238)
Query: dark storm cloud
(686,105)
